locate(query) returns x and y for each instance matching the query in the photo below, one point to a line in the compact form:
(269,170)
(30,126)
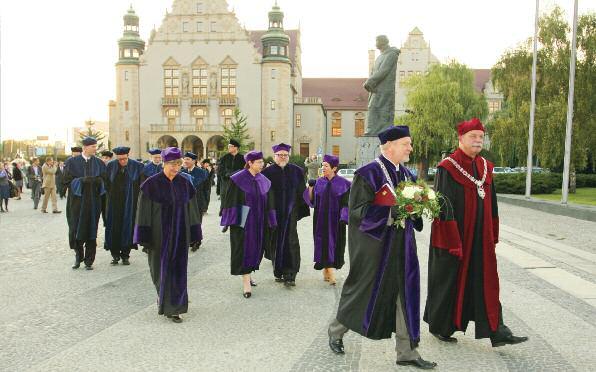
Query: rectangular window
(273,50)
(199,7)
(199,26)
(171,82)
(335,150)
(272,135)
(359,127)
(127,136)
(228,81)
(304,150)
(273,73)
(125,105)
(336,124)
(125,75)
(298,120)
(272,104)
(213,27)
(184,26)
(402,75)
(199,81)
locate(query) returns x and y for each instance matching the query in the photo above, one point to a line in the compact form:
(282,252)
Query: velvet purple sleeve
(343,215)
(272,218)
(375,221)
(306,196)
(142,235)
(229,216)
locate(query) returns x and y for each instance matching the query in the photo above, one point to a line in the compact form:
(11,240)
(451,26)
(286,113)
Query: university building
(180,88)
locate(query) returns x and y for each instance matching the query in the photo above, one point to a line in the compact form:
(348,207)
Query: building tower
(125,110)
(277,95)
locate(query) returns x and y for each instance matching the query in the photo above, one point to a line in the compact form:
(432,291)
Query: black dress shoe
(418,363)
(445,338)
(88,267)
(114,262)
(337,346)
(507,340)
(279,280)
(224,229)
(175,318)
(247,294)
(76,265)
(253,283)
(290,283)
(125,261)
(56,212)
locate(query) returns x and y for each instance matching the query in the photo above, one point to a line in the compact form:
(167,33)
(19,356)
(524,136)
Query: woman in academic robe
(249,213)
(329,196)
(167,223)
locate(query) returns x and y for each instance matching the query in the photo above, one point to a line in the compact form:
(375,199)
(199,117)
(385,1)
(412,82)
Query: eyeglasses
(282,155)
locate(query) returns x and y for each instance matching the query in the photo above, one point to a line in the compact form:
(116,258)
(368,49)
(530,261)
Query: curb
(580,212)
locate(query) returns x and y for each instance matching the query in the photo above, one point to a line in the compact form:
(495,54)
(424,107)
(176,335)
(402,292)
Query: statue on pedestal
(381,86)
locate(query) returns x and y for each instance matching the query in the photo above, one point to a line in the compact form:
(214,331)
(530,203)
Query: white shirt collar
(396,166)
(85,157)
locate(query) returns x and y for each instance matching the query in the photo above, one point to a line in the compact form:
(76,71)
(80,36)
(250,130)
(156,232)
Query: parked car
(347,173)
(502,170)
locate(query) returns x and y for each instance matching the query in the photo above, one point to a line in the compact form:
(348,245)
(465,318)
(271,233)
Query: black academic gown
(121,206)
(227,166)
(383,261)
(248,211)
(167,223)
(283,249)
(206,191)
(454,301)
(85,182)
(330,203)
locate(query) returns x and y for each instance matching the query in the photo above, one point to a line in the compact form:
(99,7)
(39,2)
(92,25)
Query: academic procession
(158,208)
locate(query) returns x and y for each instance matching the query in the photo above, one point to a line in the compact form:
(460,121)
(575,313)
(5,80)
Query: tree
(99,136)
(238,131)
(437,102)
(512,76)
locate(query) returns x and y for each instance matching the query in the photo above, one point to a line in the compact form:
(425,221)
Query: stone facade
(201,64)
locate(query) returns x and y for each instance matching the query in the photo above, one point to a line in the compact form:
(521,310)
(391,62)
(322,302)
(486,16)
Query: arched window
(359,124)
(227,115)
(336,124)
(199,115)
(172,112)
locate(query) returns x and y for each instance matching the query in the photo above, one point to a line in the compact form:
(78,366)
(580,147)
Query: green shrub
(515,183)
(585,180)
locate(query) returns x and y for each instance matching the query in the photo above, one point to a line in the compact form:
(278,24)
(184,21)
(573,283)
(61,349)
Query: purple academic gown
(330,201)
(167,223)
(247,208)
(383,261)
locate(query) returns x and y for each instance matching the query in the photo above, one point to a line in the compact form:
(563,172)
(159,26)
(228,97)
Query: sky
(57,57)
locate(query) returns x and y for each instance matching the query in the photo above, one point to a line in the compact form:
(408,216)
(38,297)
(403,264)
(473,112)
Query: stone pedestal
(368,150)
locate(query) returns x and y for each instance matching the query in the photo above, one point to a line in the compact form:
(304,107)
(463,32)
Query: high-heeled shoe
(247,294)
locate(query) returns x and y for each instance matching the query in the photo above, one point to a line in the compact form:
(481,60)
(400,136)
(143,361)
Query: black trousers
(85,251)
(118,253)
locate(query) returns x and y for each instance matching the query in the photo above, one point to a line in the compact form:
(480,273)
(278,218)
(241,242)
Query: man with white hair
(381,294)
(463,283)
(288,184)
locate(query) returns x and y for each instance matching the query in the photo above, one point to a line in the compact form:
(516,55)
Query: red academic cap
(466,126)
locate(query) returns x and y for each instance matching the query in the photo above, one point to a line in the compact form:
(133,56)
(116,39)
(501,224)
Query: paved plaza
(53,318)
